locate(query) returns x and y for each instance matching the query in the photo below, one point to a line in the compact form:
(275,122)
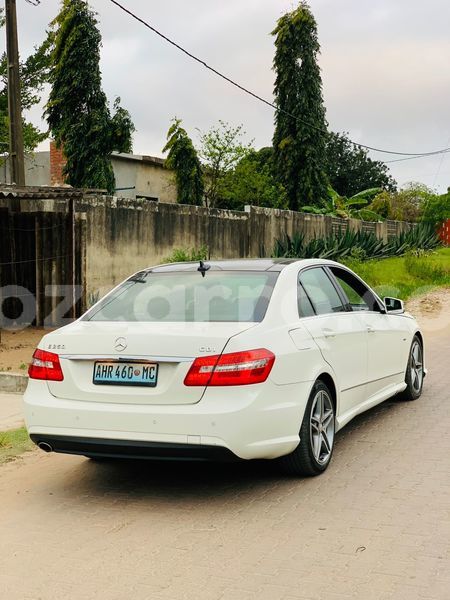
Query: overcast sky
(385,68)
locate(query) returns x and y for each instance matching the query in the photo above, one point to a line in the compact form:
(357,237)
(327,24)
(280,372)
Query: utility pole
(16,150)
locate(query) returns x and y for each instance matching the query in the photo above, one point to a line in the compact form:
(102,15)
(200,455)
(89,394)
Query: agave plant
(356,243)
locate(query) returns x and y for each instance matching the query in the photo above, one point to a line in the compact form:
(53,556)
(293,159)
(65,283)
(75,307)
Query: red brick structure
(57,164)
(444,232)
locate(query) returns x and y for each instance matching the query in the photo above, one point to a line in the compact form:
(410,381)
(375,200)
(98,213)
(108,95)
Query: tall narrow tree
(184,161)
(300,125)
(78,112)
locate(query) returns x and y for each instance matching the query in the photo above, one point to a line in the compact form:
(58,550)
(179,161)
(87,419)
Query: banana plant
(354,207)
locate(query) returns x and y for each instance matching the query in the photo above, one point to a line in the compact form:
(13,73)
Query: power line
(32,260)
(442,153)
(441,162)
(260,98)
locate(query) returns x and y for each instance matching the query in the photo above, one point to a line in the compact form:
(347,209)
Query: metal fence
(42,258)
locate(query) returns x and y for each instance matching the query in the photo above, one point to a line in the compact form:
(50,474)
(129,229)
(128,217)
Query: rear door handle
(370,330)
(328,333)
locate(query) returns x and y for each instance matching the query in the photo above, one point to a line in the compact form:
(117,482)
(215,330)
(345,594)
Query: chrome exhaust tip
(45,447)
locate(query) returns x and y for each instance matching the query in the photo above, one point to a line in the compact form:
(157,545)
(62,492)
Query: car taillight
(235,368)
(45,365)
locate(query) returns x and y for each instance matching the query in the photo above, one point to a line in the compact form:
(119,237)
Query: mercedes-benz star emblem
(120,344)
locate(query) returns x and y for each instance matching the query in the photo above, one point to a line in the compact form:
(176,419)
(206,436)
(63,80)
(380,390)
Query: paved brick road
(376,525)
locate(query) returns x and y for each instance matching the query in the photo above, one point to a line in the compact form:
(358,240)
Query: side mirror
(394,306)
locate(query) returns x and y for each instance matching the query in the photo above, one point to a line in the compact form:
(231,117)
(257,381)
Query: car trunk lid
(171,346)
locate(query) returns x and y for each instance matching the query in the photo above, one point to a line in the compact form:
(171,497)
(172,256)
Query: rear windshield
(220,296)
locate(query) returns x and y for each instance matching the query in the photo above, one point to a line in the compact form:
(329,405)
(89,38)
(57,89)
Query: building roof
(153,160)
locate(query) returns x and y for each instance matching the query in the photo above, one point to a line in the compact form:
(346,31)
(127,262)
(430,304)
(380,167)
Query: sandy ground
(432,311)
(11,412)
(17,347)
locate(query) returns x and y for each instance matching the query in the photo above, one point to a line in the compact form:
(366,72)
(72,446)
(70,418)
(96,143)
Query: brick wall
(444,232)
(57,164)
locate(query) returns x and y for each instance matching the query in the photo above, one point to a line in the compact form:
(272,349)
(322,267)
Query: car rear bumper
(252,422)
(99,447)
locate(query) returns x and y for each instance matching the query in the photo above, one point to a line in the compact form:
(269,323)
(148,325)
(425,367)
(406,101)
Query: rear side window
(220,296)
(305,308)
(321,291)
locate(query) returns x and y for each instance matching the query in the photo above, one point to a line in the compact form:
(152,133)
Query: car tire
(414,372)
(313,455)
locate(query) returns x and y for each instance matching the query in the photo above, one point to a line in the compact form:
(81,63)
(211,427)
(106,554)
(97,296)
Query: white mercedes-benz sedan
(248,359)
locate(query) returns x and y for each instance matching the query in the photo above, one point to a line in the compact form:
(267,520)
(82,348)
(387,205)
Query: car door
(388,335)
(339,333)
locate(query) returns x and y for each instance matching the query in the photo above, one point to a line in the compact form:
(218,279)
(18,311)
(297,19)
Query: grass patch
(13,443)
(406,276)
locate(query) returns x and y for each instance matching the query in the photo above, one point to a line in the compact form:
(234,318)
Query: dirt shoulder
(17,347)
(432,311)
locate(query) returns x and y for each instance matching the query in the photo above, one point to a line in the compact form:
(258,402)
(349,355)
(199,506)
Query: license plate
(125,373)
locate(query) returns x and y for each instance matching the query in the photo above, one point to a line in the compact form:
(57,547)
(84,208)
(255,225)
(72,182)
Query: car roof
(254,264)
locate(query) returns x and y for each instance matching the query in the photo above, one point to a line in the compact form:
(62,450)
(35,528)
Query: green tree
(437,209)
(184,161)
(350,169)
(253,182)
(300,125)
(33,75)
(78,112)
(407,204)
(221,149)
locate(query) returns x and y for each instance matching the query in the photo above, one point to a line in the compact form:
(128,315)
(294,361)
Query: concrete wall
(37,169)
(126,235)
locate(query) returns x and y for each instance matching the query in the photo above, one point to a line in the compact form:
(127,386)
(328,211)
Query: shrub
(187,255)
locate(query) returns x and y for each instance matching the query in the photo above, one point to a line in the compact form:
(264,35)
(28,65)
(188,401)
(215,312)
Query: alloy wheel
(416,364)
(322,427)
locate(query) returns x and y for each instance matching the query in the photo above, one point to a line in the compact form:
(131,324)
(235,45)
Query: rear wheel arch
(415,370)
(328,380)
(317,431)
(419,335)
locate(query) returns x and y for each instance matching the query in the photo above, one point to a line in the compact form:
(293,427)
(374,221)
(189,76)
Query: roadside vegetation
(187,255)
(404,277)
(14,443)
(405,266)
(356,244)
